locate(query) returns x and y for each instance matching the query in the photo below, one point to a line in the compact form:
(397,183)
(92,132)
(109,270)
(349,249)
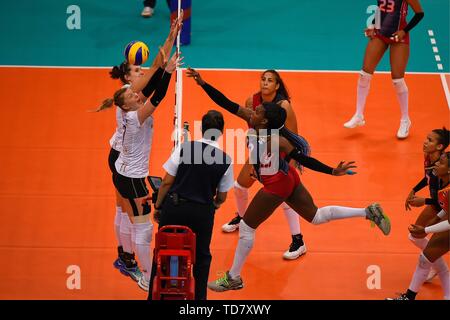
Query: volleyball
(136,52)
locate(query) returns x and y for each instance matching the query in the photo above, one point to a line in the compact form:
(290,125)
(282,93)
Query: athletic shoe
(375,213)
(133,272)
(147,12)
(403,131)
(401,296)
(433,273)
(233,225)
(296,249)
(226,283)
(118,263)
(143,283)
(355,121)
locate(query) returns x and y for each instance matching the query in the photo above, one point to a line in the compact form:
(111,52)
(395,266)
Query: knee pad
(400,85)
(144,232)
(239,189)
(245,231)
(118,217)
(424,263)
(125,224)
(364,79)
(322,216)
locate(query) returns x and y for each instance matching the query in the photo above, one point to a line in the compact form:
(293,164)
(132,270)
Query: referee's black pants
(200,218)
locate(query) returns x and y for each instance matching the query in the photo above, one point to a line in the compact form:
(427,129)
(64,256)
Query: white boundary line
(446,90)
(225,69)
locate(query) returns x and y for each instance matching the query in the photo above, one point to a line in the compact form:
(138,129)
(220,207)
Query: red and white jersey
(443,198)
(136,145)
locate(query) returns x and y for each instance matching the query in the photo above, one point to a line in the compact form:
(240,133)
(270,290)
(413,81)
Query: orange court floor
(57,198)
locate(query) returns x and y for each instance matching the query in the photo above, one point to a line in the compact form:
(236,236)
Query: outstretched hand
(191,73)
(174,62)
(343,168)
(176,26)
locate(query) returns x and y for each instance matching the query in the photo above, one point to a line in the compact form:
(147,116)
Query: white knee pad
(421,243)
(240,190)
(424,263)
(400,85)
(322,215)
(144,232)
(118,217)
(364,79)
(125,224)
(246,232)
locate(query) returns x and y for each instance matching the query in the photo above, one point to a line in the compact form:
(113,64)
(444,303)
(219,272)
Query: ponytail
(117,99)
(119,72)
(106,104)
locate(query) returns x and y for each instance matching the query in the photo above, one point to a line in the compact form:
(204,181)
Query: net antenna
(178,116)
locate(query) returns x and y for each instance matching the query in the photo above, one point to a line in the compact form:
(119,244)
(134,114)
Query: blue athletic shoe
(133,272)
(118,263)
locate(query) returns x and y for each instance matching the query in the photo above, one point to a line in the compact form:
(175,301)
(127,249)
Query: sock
(420,275)
(419,243)
(442,270)
(125,233)
(362,92)
(298,238)
(411,294)
(402,96)
(241,196)
(292,218)
(326,214)
(144,232)
(245,245)
(117,221)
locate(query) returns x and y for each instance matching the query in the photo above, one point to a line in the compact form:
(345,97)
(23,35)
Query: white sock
(241,196)
(420,275)
(326,214)
(125,233)
(245,245)
(117,221)
(144,232)
(442,270)
(292,218)
(419,243)
(402,96)
(362,92)
(133,239)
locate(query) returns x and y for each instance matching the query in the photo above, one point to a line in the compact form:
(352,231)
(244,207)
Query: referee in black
(199,174)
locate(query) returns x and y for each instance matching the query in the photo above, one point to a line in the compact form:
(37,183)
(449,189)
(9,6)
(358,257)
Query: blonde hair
(117,99)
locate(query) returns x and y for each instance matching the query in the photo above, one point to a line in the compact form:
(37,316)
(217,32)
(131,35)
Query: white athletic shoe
(147,12)
(292,255)
(143,283)
(355,121)
(403,131)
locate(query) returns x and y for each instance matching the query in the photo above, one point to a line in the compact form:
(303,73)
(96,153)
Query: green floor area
(253,34)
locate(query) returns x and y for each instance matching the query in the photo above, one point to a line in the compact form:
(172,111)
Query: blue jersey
(392,16)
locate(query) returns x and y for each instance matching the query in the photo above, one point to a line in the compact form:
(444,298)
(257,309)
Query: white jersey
(136,146)
(116,140)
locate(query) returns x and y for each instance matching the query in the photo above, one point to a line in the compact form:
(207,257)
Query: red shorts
(281,184)
(388,40)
